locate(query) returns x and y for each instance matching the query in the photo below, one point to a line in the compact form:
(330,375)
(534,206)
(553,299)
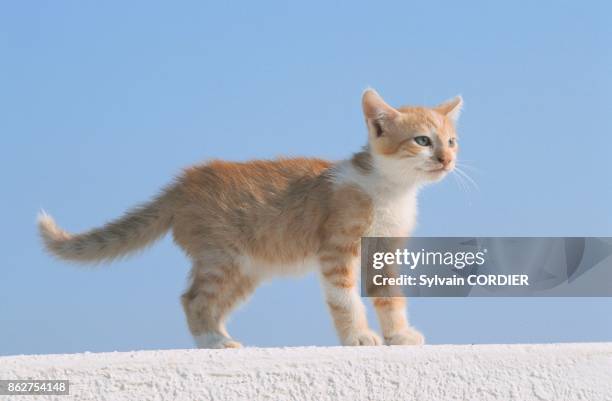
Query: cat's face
(418,141)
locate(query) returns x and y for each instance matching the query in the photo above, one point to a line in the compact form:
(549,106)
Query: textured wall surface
(479,372)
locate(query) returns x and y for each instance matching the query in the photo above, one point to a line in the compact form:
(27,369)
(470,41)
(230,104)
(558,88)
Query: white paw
(229,343)
(215,341)
(407,336)
(362,337)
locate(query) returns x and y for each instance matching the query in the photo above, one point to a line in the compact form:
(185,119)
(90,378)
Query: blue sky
(103,103)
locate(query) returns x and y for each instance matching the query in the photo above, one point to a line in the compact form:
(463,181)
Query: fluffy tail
(136,229)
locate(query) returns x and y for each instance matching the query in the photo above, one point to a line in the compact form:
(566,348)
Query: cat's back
(253,206)
(258,178)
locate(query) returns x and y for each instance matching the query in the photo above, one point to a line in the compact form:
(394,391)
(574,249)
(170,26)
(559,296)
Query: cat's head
(412,142)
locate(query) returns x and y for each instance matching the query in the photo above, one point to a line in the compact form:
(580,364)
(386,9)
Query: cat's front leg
(389,301)
(338,272)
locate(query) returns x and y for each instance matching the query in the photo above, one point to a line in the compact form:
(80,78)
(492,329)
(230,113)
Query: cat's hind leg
(394,323)
(217,287)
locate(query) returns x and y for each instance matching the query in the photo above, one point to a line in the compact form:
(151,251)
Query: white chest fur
(394,217)
(395,207)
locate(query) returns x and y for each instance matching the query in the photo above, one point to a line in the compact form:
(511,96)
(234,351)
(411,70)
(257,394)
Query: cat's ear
(451,108)
(377,112)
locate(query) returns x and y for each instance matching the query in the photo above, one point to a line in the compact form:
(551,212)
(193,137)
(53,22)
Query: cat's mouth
(436,170)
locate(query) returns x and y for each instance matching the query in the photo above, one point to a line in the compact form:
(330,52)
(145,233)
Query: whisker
(467,177)
(460,182)
(464,165)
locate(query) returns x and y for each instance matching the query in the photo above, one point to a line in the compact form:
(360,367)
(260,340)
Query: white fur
(393,186)
(262,270)
(342,296)
(215,340)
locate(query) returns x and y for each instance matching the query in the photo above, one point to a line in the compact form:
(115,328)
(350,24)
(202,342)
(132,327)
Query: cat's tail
(136,229)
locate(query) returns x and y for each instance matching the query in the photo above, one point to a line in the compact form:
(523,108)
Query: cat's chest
(392,216)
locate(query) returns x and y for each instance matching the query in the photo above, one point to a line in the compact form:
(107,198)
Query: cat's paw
(407,336)
(229,343)
(216,341)
(362,337)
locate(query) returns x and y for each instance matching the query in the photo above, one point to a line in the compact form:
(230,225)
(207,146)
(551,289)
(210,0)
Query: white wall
(482,372)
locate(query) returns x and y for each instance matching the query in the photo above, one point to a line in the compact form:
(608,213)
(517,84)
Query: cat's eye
(452,142)
(423,140)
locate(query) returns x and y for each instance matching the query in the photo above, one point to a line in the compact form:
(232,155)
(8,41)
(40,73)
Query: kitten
(241,223)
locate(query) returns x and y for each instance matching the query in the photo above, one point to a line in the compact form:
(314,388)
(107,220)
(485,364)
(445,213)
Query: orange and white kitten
(241,223)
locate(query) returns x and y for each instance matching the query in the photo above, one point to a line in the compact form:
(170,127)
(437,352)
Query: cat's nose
(444,159)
